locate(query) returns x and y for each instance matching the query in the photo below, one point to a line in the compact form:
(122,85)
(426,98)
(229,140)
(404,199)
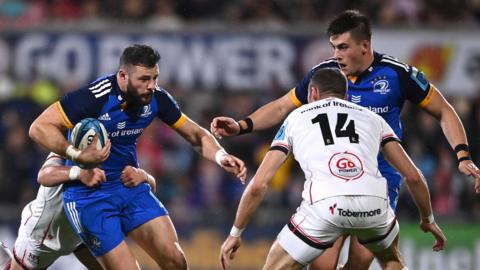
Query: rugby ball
(84,131)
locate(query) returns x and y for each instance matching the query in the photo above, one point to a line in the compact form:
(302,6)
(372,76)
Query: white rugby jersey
(44,220)
(336,143)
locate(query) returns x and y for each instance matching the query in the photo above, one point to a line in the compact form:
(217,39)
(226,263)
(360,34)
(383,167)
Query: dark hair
(351,21)
(139,55)
(330,80)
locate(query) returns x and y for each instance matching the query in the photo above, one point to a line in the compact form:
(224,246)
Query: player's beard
(134,98)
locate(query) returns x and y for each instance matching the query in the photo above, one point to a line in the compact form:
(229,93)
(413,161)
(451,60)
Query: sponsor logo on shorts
(346,166)
(332,208)
(94,243)
(347,213)
(33,259)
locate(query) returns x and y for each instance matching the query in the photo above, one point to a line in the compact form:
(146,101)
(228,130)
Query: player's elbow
(413,177)
(34,131)
(43,178)
(258,188)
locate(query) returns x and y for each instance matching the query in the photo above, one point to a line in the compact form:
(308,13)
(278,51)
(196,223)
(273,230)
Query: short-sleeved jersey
(382,88)
(336,144)
(102,99)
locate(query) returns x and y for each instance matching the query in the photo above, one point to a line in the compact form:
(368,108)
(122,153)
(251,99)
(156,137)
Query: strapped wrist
(249,127)
(464,158)
(236,232)
(461,147)
(430,219)
(72,153)
(74,173)
(220,155)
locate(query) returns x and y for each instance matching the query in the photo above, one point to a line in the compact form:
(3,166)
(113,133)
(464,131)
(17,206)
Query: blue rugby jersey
(102,99)
(383,88)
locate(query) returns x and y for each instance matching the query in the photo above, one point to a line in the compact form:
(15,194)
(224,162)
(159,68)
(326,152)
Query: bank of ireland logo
(346,166)
(356,99)
(381,86)
(121,125)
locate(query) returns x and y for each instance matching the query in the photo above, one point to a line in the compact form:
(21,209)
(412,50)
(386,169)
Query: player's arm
(264,117)
(54,173)
(398,158)
(48,130)
(205,144)
(251,199)
(418,90)
(453,129)
(256,189)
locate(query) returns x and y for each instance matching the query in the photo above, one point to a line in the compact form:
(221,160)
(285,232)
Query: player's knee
(174,258)
(177,262)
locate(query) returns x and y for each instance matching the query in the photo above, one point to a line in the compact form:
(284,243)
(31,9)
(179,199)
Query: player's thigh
(359,257)
(119,258)
(279,259)
(329,258)
(86,258)
(96,220)
(159,239)
(390,257)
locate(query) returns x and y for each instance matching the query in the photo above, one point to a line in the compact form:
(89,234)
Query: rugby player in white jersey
(336,144)
(45,233)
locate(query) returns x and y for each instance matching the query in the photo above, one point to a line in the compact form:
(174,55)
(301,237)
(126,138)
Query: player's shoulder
(162,94)
(328,63)
(392,62)
(101,86)
(164,98)
(405,71)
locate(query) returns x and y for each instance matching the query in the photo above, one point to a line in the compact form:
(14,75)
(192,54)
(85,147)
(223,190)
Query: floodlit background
(229,58)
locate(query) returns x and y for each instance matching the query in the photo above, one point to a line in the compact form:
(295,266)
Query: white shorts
(314,228)
(31,249)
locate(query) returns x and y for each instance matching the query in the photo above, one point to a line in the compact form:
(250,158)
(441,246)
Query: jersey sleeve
(169,111)
(386,132)
(282,140)
(80,104)
(415,86)
(300,95)
(53,159)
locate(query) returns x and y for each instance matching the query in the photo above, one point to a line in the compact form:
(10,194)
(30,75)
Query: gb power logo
(346,166)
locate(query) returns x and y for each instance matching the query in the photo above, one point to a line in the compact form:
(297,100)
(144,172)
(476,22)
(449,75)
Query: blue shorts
(102,219)
(394,179)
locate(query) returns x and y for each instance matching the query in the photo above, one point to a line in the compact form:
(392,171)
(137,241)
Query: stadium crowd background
(198,194)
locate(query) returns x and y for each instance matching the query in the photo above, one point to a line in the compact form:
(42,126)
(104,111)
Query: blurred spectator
(91,14)
(164,16)
(132,11)
(64,11)
(397,12)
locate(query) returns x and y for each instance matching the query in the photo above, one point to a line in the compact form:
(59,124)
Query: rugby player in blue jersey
(378,82)
(125,102)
